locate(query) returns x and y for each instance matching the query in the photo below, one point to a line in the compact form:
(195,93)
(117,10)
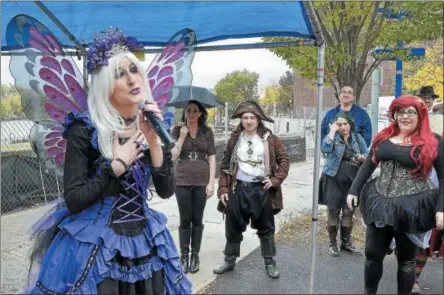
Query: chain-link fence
(25,182)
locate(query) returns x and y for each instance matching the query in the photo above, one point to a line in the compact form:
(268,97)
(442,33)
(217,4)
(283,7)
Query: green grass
(16,147)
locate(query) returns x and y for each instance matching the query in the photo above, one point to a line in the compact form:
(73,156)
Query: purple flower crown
(107,44)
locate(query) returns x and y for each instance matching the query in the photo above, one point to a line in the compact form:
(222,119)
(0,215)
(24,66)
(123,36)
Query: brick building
(305,93)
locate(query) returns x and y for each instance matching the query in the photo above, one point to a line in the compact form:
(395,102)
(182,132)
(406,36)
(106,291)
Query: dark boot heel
(346,244)
(194,263)
(196,242)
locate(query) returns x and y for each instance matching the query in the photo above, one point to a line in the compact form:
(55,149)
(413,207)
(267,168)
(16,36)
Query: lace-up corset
(128,208)
(397,181)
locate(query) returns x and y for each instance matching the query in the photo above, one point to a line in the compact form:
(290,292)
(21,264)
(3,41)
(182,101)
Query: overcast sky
(210,67)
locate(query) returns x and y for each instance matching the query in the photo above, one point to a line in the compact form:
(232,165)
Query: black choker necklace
(129,121)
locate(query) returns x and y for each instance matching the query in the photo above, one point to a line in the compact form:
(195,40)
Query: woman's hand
(439,220)
(333,129)
(145,126)
(352,202)
(361,158)
(210,189)
(128,152)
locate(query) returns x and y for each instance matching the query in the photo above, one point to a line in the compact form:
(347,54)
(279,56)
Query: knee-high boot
(184,241)
(196,241)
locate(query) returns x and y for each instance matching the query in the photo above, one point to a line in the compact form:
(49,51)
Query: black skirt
(333,190)
(414,213)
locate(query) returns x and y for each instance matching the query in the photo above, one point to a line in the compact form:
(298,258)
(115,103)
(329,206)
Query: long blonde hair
(105,118)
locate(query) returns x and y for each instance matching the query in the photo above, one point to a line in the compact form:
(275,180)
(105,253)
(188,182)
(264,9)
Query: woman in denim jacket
(345,150)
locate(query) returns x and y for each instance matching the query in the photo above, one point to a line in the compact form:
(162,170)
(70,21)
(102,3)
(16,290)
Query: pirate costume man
(252,170)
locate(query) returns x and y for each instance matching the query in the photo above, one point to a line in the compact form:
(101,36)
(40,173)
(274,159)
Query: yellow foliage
(211,114)
(428,71)
(271,96)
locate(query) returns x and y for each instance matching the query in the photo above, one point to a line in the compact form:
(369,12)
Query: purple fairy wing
(49,83)
(47,141)
(172,67)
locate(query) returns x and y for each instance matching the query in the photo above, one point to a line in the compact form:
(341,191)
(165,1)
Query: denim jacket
(334,149)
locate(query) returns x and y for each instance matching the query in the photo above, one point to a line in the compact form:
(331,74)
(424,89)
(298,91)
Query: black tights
(191,201)
(346,220)
(376,244)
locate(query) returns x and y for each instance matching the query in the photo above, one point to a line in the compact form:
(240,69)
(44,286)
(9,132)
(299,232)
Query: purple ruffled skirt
(86,256)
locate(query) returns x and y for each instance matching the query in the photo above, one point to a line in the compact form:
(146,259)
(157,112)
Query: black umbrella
(201,94)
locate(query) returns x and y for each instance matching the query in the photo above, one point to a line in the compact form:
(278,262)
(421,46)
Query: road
(341,275)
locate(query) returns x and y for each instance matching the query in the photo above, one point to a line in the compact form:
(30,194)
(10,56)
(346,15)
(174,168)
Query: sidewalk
(297,190)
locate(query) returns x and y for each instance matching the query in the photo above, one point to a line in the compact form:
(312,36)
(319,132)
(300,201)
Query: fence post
(41,178)
(226,120)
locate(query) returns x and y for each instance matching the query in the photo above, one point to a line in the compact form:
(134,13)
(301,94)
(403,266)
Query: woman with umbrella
(195,171)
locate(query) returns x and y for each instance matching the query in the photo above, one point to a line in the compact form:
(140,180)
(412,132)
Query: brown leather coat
(277,165)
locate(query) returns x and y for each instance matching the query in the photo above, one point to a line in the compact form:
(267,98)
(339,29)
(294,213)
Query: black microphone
(160,129)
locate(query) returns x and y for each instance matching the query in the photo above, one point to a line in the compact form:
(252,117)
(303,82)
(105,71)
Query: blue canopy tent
(153,23)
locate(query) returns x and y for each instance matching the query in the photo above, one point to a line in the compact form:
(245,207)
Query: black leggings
(191,201)
(376,245)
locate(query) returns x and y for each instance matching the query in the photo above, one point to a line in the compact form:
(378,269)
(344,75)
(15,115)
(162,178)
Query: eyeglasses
(409,113)
(347,92)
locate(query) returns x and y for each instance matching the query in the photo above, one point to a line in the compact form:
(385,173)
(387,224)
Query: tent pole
(61,26)
(85,72)
(301,42)
(317,154)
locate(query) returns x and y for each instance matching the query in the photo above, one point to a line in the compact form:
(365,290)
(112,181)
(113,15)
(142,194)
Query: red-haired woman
(403,200)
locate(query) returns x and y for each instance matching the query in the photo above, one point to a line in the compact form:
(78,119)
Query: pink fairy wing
(172,67)
(49,83)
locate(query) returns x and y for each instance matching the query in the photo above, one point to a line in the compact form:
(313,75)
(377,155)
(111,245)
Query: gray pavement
(15,245)
(341,275)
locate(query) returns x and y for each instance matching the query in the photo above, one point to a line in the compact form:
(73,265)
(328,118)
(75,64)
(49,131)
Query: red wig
(422,138)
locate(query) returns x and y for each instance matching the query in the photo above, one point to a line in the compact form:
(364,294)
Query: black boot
(271,268)
(268,251)
(184,241)
(196,241)
(346,244)
(333,232)
(228,265)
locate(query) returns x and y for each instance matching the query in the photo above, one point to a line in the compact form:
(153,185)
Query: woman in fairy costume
(103,238)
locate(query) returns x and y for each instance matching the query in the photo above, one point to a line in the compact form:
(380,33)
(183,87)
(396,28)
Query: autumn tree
(286,90)
(236,87)
(353,29)
(271,97)
(280,94)
(427,71)
(11,105)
